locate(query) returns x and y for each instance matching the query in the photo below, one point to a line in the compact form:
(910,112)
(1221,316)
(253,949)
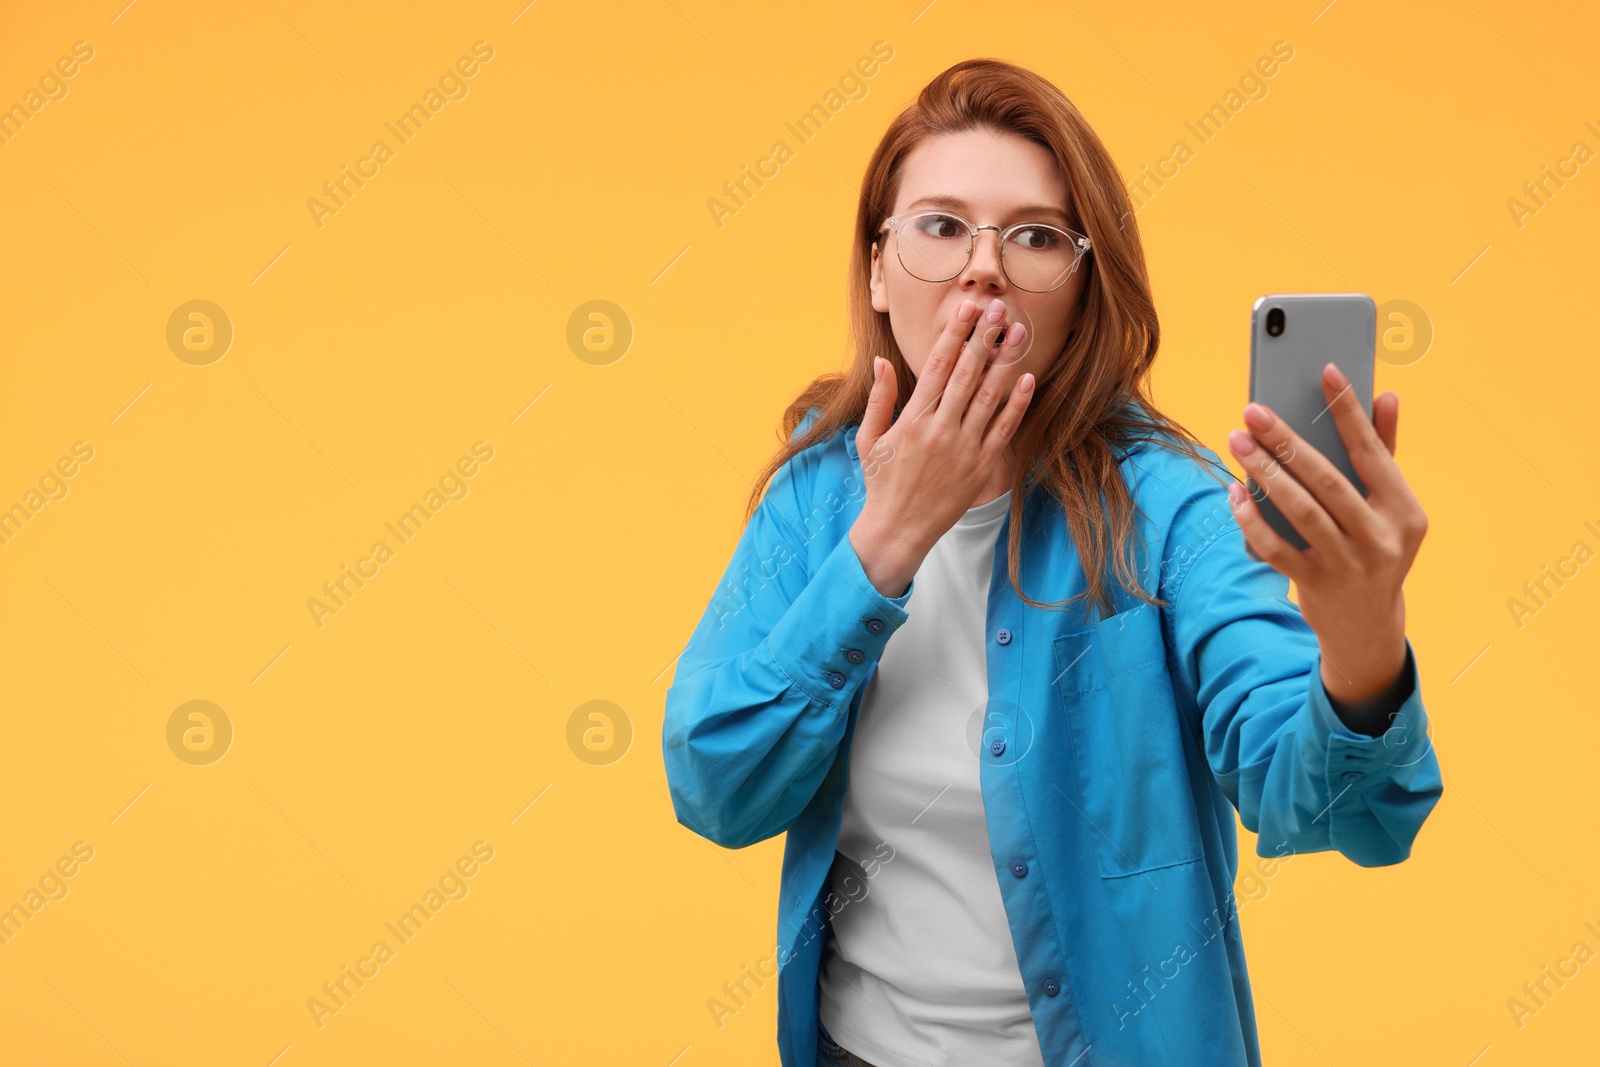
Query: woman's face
(989,178)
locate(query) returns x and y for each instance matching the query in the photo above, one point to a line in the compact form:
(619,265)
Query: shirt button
(1051,987)
(998,746)
(1004,637)
(836,679)
(1350,776)
(1019,868)
(853,655)
(874,626)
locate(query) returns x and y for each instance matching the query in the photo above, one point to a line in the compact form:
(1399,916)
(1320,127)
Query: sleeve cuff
(831,637)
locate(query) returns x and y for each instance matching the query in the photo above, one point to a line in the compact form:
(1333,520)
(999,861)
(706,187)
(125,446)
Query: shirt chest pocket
(1127,744)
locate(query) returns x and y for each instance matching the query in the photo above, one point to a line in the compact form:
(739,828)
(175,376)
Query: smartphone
(1292,336)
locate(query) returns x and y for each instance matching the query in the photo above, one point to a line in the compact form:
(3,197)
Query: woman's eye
(942,226)
(1037,239)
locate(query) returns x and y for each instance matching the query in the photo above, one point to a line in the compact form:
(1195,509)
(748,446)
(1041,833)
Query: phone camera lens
(1275,322)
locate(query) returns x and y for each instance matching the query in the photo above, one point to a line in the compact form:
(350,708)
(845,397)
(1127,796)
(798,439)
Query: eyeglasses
(1034,256)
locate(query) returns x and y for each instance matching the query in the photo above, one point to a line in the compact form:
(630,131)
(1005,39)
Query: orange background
(447,701)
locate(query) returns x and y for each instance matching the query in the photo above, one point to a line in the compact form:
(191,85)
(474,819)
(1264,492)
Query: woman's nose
(985,265)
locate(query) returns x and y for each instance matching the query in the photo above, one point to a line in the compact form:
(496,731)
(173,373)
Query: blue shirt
(1113,756)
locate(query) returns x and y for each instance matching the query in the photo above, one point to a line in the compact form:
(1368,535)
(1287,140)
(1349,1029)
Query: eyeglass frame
(1080,242)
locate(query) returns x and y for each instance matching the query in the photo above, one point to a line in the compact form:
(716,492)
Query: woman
(1010,814)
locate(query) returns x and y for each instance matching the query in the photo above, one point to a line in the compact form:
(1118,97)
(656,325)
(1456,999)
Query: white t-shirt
(920,969)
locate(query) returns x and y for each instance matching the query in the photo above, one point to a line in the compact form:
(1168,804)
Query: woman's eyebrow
(955,203)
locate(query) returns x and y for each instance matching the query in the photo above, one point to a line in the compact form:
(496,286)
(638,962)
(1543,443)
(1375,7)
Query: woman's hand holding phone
(924,469)
(1351,575)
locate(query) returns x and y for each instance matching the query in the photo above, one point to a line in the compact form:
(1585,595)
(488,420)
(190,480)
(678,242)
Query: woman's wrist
(889,561)
(1370,712)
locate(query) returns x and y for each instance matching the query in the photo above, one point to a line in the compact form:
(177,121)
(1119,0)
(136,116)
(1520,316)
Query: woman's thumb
(880,406)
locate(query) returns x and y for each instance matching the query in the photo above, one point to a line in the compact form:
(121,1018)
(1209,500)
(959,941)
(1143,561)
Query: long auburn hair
(1094,397)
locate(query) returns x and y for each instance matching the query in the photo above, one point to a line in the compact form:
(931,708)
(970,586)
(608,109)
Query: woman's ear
(880,292)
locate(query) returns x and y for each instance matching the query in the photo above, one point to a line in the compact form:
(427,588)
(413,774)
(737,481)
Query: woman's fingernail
(1241,442)
(997,310)
(1335,375)
(1257,417)
(968,310)
(1235,494)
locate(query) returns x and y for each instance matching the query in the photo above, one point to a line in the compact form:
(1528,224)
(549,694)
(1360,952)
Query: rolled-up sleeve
(1250,666)
(760,699)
